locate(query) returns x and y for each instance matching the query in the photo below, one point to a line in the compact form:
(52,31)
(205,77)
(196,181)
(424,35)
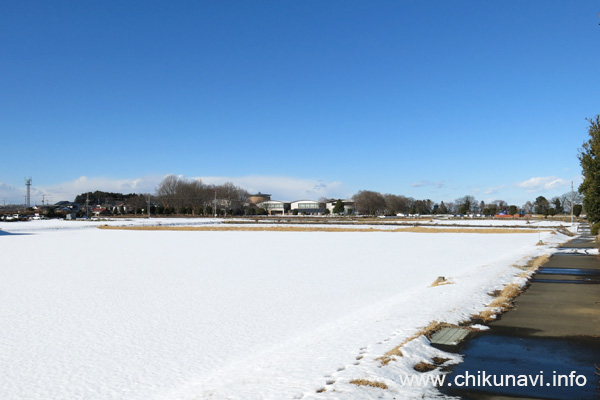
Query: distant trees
(528,208)
(465,204)
(422,207)
(395,204)
(541,205)
(589,158)
(99,197)
(194,197)
(442,208)
(368,202)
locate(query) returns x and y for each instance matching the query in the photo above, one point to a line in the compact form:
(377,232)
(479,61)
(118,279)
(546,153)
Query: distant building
(275,207)
(310,207)
(348,206)
(258,198)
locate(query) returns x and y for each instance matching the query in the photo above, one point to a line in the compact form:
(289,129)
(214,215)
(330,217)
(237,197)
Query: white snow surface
(103,314)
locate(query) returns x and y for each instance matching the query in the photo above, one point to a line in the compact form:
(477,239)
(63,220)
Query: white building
(308,207)
(274,207)
(348,206)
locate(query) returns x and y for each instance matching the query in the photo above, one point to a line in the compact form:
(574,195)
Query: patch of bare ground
(415,229)
(366,382)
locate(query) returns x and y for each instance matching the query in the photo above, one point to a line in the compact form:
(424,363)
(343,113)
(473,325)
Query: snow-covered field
(104,314)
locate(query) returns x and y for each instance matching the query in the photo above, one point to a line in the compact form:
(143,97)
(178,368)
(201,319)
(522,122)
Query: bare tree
(397,204)
(369,203)
(466,204)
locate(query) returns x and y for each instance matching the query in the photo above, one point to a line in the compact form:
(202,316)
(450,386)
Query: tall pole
(28,196)
(148,205)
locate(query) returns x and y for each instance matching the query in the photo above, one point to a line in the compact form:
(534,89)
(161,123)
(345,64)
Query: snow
(104,314)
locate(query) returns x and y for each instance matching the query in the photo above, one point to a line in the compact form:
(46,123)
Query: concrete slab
(449,336)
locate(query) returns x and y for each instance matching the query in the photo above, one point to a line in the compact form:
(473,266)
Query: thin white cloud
(542,184)
(494,190)
(10,194)
(282,187)
(428,183)
(68,190)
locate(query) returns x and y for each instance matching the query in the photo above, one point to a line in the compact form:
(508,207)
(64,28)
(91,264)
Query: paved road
(554,329)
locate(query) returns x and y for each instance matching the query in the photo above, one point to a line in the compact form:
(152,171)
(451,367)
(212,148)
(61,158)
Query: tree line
(369,202)
(174,195)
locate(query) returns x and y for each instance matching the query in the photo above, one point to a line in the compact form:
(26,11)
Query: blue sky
(302,99)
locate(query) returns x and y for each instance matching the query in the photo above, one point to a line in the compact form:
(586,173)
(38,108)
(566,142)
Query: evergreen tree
(443,208)
(589,157)
(339,207)
(541,205)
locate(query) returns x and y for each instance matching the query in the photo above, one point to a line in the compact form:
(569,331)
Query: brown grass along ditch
(505,298)
(503,302)
(416,229)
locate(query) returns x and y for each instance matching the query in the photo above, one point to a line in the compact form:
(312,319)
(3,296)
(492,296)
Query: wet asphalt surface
(548,345)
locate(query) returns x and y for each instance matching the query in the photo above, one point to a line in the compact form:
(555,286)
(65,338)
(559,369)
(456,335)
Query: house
(98,211)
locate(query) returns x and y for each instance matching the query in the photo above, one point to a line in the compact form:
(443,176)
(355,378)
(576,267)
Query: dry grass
(365,382)
(427,331)
(565,231)
(505,298)
(415,229)
(441,281)
(423,366)
(439,360)
(534,264)
(502,302)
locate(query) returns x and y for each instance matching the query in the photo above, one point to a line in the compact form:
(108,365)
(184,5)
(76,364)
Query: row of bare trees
(369,202)
(192,196)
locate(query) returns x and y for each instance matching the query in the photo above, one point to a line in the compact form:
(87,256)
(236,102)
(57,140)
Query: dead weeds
(366,382)
(441,281)
(439,360)
(504,299)
(423,366)
(414,229)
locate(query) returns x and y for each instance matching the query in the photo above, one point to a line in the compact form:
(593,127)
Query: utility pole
(148,205)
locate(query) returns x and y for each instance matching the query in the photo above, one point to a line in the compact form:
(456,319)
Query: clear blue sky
(429,99)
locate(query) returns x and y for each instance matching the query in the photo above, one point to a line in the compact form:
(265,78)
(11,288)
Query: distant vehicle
(14,217)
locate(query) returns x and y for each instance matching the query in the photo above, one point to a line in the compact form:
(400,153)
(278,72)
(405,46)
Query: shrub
(595,228)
